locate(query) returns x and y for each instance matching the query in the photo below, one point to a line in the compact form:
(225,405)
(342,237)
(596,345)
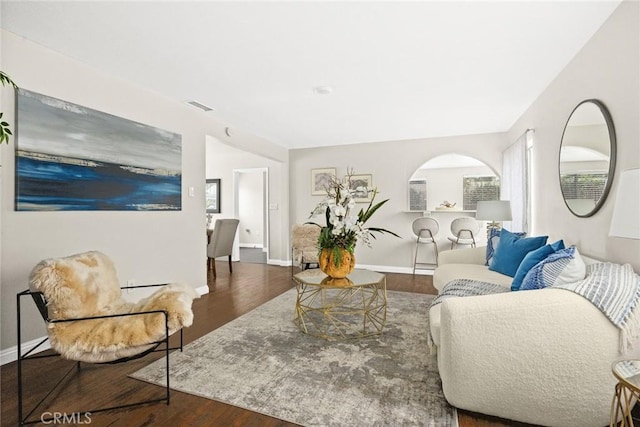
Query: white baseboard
(250,245)
(202,290)
(10,354)
(279,262)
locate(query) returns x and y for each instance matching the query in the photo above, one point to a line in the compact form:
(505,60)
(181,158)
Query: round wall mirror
(587,158)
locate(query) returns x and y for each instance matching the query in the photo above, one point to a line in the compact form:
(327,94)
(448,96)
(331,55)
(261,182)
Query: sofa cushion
(533,258)
(493,241)
(561,267)
(448,272)
(511,251)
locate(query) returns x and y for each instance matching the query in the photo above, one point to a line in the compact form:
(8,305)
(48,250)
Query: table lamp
(493,211)
(625,221)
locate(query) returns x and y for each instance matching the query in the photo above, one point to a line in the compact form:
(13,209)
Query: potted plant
(338,238)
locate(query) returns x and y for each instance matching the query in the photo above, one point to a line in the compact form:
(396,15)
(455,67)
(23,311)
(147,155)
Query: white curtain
(514,185)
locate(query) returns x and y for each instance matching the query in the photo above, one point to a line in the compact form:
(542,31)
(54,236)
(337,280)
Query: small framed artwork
(320,180)
(212,196)
(418,195)
(362,184)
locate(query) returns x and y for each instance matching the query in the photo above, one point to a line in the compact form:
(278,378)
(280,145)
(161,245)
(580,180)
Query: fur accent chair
(304,244)
(86,285)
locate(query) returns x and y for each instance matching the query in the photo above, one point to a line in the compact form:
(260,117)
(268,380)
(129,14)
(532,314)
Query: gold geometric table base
(627,372)
(622,404)
(355,309)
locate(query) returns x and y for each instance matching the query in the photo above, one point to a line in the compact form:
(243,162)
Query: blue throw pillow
(561,267)
(533,258)
(557,245)
(493,241)
(511,251)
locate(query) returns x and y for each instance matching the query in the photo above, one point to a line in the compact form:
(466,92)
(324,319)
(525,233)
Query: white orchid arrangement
(343,228)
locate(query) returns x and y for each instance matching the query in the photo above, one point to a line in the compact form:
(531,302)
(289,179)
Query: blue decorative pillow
(493,241)
(561,267)
(511,251)
(533,258)
(557,245)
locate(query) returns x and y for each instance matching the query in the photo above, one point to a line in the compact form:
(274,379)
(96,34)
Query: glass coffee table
(336,309)
(627,372)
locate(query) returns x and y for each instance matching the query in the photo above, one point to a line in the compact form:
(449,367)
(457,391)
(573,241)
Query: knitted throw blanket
(467,288)
(615,290)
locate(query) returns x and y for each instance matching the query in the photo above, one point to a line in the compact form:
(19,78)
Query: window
(479,188)
(583,185)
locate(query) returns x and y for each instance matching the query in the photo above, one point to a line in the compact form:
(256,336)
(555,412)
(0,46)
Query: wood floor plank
(231,295)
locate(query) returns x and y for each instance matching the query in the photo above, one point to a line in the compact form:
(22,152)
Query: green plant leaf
(5,79)
(4,126)
(381,230)
(370,211)
(327,215)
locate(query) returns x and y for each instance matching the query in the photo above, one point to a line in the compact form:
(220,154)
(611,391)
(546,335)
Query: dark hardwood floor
(230,296)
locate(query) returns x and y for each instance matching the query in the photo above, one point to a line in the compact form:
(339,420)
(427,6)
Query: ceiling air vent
(199,106)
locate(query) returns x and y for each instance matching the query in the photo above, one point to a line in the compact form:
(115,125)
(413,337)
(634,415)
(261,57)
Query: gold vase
(328,265)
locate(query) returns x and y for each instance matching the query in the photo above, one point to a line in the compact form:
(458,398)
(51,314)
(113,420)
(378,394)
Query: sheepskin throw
(305,243)
(86,285)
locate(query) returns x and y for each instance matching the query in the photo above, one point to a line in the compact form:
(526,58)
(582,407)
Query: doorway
(251,198)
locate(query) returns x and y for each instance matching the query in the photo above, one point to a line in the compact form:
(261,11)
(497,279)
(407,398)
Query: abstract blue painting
(70,157)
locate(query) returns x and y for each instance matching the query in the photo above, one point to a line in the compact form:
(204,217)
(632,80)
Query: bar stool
(425,229)
(464,230)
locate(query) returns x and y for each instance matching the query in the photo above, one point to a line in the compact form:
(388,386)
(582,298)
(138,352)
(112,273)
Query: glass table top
(357,277)
(628,371)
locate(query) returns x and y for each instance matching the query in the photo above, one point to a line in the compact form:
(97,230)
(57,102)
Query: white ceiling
(398,70)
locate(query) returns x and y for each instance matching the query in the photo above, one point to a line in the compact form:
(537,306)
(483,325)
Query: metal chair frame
(459,236)
(41,304)
(432,239)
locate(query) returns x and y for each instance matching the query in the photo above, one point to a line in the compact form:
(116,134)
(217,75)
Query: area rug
(263,363)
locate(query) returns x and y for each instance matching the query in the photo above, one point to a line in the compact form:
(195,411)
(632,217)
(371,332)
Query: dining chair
(221,242)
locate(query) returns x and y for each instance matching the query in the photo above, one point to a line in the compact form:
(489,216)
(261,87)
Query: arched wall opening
(444,178)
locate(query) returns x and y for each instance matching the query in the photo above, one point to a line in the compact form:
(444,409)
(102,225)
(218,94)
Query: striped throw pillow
(563,266)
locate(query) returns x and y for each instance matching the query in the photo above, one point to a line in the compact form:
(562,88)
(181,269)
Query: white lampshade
(625,221)
(494,210)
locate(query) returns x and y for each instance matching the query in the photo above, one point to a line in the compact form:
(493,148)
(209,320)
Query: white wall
(392,164)
(149,247)
(608,69)
(221,161)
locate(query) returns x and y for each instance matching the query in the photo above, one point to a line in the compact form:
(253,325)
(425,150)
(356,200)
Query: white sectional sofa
(542,357)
